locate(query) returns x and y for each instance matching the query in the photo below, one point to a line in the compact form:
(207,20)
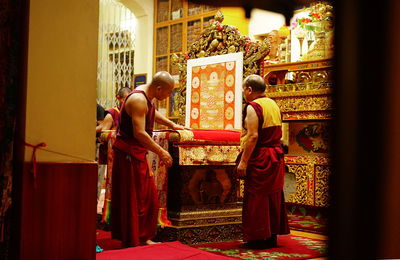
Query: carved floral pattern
(311,173)
(208,154)
(313,103)
(302,194)
(315,159)
(322,173)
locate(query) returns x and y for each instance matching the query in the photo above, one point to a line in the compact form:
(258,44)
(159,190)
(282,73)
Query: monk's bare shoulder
(136,103)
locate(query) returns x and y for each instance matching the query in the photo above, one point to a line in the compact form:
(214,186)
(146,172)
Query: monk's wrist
(244,162)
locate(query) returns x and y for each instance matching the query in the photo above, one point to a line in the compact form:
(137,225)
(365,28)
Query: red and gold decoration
(219,39)
(210,85)
(203,203)
(160,173)
(208,154)
(306,105)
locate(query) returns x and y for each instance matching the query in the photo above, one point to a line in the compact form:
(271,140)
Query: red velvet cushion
(216,135)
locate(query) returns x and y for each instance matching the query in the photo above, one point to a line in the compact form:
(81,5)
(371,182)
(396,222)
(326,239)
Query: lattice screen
(116,51)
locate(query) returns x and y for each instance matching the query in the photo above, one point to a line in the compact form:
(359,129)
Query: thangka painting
(214,92)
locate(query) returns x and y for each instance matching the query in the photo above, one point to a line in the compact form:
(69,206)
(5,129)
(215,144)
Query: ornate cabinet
(178,23)
(303,92)
(200,191)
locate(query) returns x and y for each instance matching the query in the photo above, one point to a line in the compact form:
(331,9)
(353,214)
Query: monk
(134,199)
(262,167)
(111,119)
(110,122)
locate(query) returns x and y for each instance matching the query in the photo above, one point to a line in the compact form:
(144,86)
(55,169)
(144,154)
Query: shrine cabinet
(303,91)
(200,191)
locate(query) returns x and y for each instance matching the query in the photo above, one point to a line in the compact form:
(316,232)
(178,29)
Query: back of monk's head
(163,79)
(256,83)
(123,92)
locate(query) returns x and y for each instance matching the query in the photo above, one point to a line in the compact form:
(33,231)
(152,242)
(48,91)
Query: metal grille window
(117,25)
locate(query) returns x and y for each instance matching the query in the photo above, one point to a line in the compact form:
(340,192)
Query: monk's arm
(136,107)
(165,121)
(106,124)
(99,127)
(251,121)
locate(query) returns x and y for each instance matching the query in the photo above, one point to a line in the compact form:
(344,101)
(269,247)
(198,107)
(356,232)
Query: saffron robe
(134,209)
(264,212)
(114,112)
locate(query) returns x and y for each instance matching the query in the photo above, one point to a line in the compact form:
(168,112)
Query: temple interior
(330,66)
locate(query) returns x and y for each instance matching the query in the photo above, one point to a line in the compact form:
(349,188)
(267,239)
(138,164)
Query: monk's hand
(241,170)
(178,127)
(166,159)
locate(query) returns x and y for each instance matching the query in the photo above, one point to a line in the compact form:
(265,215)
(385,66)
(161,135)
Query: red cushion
(216,135)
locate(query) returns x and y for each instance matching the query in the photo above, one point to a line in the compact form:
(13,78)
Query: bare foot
(151,242)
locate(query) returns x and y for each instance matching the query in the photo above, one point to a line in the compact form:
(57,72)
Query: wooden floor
(310,235)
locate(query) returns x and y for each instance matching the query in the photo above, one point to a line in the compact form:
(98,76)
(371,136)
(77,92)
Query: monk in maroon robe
(111,120)
(262,166)
(134,199)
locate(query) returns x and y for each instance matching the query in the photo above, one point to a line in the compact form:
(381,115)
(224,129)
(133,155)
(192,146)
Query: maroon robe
(134,208)
(114,112)
(264,212)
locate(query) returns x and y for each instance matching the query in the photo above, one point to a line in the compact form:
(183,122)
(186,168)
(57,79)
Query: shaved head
(256,83)
(123,92)
(163,79)
(162,83)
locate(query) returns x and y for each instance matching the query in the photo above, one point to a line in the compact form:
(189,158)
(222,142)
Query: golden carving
(186,135)
(206,222)
(311,159)
(207,213)
(174,136)
(305,100)
(322,173)
(297,66)
(208,154)
(322,160)
(219,16)
(302,191)
(310,103)
(311,184)
(206,217)
(218,39)
(241,189)
(309,115)
(311,166)
(302,100)
(316,92)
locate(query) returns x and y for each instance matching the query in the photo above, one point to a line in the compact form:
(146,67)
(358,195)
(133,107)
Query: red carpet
(309,219)
(104,240)
(290,247)
(307,223)
(165,251)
